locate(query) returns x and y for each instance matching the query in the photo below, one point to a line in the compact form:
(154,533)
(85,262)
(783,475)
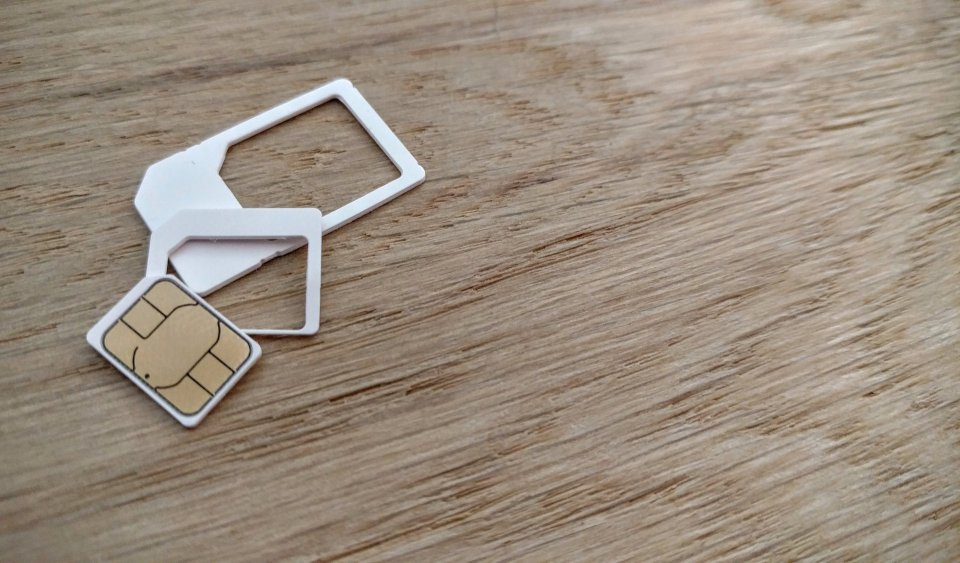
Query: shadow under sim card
(175,347)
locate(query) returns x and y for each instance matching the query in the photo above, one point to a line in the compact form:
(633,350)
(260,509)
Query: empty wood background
(682,282)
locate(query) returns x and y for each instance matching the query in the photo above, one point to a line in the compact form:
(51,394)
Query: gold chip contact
(177,346)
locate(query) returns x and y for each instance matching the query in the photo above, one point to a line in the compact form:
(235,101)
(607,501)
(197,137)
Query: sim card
(174,346)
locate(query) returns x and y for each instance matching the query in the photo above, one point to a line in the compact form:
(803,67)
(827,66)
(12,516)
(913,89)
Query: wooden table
(682,282)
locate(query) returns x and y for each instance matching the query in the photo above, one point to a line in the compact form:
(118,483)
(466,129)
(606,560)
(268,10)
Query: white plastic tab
(191,180)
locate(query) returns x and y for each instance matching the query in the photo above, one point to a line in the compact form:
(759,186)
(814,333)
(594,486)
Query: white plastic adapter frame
(263,224)
(97,333)
(191,180)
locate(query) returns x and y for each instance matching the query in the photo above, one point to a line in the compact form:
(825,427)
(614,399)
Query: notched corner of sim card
(180,351)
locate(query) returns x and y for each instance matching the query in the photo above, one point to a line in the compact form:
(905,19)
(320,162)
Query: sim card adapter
(176,347)
(191,180)
(242,226)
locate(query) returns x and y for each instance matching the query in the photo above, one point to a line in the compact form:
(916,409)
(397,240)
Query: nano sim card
(172,344)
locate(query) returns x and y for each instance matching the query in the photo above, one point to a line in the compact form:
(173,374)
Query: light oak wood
(682,282)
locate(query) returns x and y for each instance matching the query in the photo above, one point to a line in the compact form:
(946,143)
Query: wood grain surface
(682,282)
